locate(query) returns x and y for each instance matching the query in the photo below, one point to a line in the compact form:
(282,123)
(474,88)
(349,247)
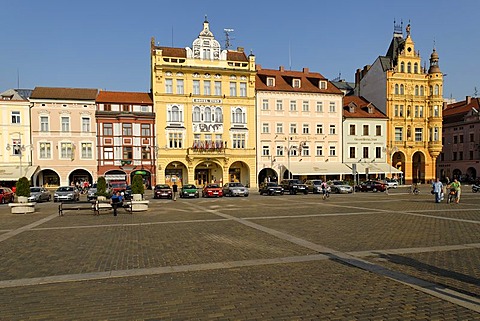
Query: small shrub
(23,187)
(102,187)
(137,185)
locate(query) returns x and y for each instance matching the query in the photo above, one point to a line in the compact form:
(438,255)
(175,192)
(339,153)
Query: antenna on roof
(172,36)
(475,92)
(289,56)
(18,78)
(227,37)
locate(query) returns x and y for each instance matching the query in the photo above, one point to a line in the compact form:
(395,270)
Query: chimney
(259,67)
(306,70)
(282,68)
(468,100)
(240,49)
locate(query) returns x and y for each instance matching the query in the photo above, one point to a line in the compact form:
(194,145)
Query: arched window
(175,114)
(436,91)
(238,116)
(196,114)
(416,90)
(208,115)
(422,93)
(402,91)
(409,67)
(402,67)
(396,89)
(415,68)
(218,115)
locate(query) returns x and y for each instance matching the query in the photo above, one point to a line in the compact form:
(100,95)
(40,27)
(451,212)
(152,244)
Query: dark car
(372,185)
(127,194)
(162,191)
(294,186)
(212,190)
(189,190)
(314,186)
(270,188)
(6,195)
(92,192)
(39,194)
(235,189)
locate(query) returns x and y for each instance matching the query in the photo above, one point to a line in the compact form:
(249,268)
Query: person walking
(456,186)
(437,188)
(174,191)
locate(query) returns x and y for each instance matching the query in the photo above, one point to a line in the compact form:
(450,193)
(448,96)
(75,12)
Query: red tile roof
(360,109)
(462,107)
(309,81)
(64,93)
(121,97)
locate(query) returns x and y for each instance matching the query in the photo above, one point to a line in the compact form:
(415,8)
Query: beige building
(411,97)
(63,135)
(299,124)
(204,104)
(15,148)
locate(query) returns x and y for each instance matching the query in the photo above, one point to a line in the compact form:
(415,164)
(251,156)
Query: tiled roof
(121,97)
(17,94)
(309,81)
(360,109)
(457,111)
(173,52)
(236,55)
(64,93)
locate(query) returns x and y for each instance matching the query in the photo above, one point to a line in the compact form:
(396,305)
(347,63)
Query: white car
(391,183)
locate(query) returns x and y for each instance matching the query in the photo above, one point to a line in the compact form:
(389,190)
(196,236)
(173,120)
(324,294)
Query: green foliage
(102,187)
(137,185)
(23,187)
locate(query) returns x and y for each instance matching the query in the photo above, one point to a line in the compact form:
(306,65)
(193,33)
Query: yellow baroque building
(204,101)
(411,97)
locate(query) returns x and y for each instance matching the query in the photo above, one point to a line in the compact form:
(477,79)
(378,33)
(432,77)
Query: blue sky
(105,44)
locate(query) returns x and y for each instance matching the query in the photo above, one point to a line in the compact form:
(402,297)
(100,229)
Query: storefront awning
(375,168)
(323,168)
(13,173)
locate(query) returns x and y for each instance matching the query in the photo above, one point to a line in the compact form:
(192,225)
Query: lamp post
(18,150)
(289,148)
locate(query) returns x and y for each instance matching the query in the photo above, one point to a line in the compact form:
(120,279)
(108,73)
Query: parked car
(235,189)
(6,195)
(340,187)
(189,190)
(372,185)
(314,186)
(92,192)
(66,193)
(127,194)
(117,186)
(39,194)
(391,183)
(294,186)
(162,191)
(212,190)
(270,188)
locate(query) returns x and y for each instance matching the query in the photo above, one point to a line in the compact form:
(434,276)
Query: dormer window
(370,109)
(322,84)
(271,82)
(351,107)
(296,83)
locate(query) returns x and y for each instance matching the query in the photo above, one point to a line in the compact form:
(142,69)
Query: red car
(373,186)
(212,190)
(6,195)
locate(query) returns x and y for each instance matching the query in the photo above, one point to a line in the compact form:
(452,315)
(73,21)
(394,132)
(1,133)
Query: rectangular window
(420,111)
(107,107)
(365,130)
(352,130)
(305,150)
(305,106)
(15,117)
(332,151)
(107,129)
(45,150)
(332,107)
(66,150)
(243,89)
(419,134)
(238,141)
(44,124)
(168,86)
(207,90)
(319,130)
(460,139)
(218,88)
(270,82)
(175,140)
(127,152)
(65,124)
(279,150)
(145,130)
(401,111)
(305,129)
(265,104)
(127,129)
(145,152)
(378,130)
(365,152)
(351,152)
(85,124)
(265,151)
(196,87)
(180,87)
(319,108)
(296,83)
(396,111)
(265,128)
(472,137)
(398,134)
(332,130)
(436,112)
(378,152)
(319,150)
(279,105)
(108,153)
(87,151)
(126,107)
(293,105)
(293,128)
(455,139)
(279,129)
(233,89)
(416,110)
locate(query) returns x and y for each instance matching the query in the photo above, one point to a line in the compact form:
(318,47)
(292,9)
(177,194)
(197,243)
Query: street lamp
(18,150)
(289,148)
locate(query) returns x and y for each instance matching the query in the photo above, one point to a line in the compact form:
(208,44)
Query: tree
(137,185)
(23,187)
(102,187)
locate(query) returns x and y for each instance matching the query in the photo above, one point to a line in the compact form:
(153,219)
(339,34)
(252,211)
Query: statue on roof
(407,29)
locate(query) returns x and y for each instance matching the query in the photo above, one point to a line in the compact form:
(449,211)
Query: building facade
(16,147)
(411,97)
(299,125)
(460,157)
(204,100)
(63,135)
(125,124)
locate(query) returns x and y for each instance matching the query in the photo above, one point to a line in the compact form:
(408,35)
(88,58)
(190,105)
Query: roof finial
(206,20)
(407,29)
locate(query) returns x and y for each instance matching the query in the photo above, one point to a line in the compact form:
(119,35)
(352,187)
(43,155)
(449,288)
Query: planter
(137,197)
(138,206)
(22,199)
(22,208)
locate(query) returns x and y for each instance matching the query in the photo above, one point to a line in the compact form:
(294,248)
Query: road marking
(30,226)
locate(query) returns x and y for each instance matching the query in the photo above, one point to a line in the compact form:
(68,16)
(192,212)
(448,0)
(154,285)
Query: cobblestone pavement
(363,256)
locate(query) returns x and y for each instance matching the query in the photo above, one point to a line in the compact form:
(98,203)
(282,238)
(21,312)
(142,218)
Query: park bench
(94,206)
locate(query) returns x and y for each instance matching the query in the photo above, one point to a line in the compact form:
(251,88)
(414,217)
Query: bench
(91,206)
